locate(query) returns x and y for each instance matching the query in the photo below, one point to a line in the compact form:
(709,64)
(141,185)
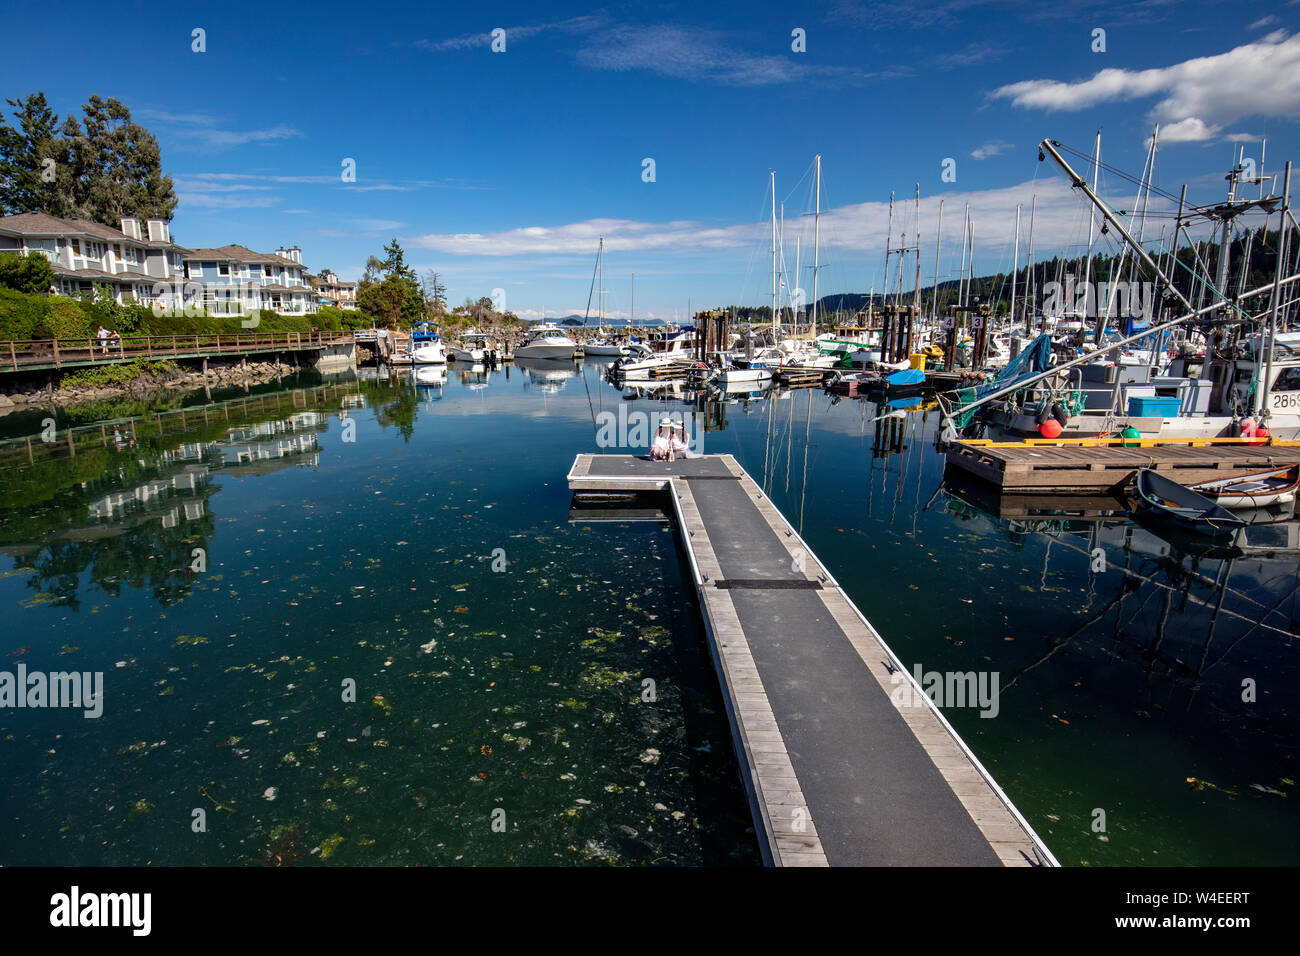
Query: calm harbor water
(414,539)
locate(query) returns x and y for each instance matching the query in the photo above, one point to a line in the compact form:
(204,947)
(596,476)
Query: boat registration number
(1286,400)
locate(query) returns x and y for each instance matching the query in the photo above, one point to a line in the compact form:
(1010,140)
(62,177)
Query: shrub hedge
(24,316)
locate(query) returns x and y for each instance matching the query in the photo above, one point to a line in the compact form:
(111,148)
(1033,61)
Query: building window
(267,272)
(76,246)
(223,268)
(196,270)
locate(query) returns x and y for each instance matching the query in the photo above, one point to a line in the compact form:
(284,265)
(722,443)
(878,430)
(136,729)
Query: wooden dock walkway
(45,354)
(836,772)
(1107,465)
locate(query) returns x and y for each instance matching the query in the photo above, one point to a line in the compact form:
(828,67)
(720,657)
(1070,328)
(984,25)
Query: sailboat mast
(600,265)
(817,212)
(938,238)
(794,305)
(775,321)
(632,311)
(961,275)
(1283,235)
(1015,266)
(916,293)
(1092,225)
(889,235)
(1030,280)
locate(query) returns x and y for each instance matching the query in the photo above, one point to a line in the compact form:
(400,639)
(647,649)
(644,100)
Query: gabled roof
(40,224)
(238,253)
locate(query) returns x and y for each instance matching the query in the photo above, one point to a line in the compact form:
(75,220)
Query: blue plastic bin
(1154,406)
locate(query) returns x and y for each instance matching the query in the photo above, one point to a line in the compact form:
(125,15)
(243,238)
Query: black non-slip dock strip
(768,584)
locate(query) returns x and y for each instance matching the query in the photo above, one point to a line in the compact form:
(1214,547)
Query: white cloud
(1197,97)
(1190,130)
(993,148)
(859,227)
(573,25)
(1264,22)
(687,53)
(202,130)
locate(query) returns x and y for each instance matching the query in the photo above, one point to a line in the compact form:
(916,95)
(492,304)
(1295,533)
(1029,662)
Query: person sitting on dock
(661,449)
(680,449)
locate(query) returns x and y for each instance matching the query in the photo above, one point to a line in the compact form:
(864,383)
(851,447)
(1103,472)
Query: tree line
(103,167)
(390,294)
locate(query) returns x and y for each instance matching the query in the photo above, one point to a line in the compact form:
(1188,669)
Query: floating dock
(1107,465)
(844,759)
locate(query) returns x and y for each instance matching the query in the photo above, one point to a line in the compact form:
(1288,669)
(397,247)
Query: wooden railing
(16,355)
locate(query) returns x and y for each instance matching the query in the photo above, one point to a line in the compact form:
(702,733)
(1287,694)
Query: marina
(922,508)
(1081,655)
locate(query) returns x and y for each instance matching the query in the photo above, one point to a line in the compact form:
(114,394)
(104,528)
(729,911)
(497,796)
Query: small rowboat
(1254,491)
(1171,501)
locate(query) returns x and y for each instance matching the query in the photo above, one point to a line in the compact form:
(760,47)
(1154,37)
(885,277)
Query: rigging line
(1116,171)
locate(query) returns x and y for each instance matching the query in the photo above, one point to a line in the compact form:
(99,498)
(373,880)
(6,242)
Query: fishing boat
(426,347)
(1253,491)
(547,342)
(1167,499)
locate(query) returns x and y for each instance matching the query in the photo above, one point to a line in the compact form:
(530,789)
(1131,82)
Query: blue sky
(501,170)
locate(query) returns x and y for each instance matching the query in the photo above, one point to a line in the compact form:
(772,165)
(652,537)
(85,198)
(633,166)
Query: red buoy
(1050,428)
(1261,433)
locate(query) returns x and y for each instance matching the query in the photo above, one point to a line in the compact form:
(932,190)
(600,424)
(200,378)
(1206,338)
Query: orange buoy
(1261,433)
(1050,428)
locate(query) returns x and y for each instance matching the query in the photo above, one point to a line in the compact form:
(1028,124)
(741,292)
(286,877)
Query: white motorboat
(426,347)
(473,348)
(601,347)
(547,342)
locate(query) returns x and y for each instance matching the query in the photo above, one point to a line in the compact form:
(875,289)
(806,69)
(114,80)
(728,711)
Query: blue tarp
(1033,360)
(908,376)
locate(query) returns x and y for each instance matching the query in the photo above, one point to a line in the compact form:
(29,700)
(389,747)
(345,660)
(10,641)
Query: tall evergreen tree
(33,173)
(108,169)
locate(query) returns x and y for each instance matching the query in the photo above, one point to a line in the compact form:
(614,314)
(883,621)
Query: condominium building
(136,261)
(332,291)
(233,280)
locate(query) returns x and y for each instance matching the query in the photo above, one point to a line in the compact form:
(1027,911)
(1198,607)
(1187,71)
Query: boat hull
(540,350)
(429,355)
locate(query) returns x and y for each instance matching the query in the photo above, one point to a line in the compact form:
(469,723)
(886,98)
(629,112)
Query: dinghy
(1254,491)
(1169,500)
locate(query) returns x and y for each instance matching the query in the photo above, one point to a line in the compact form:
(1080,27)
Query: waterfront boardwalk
(1107,465)
(46,354)
(844,759)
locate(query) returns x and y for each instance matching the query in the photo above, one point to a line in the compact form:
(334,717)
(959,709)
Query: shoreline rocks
(15,398)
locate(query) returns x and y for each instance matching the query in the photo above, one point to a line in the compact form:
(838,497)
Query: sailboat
(601,346)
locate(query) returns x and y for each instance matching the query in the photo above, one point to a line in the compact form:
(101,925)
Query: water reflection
(1123,679)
